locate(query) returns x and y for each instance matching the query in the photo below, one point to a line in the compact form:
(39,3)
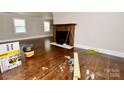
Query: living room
(61,46)
(45,37)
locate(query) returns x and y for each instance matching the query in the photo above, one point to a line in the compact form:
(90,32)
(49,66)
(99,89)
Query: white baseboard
(18,39)
(105,51)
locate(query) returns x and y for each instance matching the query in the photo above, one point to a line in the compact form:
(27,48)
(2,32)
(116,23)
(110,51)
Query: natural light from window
(46,26)
(19,25)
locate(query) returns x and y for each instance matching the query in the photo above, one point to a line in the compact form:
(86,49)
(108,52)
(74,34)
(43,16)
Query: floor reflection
(47,45)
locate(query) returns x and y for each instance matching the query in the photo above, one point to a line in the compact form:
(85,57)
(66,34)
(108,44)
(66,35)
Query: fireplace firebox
(62,37)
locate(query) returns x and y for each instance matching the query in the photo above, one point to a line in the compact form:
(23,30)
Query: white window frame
(15,26)
(45,29)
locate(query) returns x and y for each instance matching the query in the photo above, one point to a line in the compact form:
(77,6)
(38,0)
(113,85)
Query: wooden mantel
(65,27)
(64,24)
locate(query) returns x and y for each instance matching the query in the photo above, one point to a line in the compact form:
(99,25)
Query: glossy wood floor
(49,63)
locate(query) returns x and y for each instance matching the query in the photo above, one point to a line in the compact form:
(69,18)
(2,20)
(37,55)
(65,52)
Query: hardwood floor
(49,63)
(104,67)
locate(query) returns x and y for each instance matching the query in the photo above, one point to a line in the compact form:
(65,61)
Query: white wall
(34,25)
(99,30)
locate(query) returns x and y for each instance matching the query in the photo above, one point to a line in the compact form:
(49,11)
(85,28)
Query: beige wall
(34,25)
(99,30)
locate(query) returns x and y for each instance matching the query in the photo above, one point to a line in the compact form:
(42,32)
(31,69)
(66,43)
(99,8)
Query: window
(46,26)
(19,25)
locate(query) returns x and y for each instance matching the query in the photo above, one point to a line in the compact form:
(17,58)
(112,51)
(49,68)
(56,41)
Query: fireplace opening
(62,37)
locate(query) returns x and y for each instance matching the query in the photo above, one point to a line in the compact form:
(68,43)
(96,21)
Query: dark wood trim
(64,24)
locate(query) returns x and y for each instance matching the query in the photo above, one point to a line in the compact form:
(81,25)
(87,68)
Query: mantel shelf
(64,24)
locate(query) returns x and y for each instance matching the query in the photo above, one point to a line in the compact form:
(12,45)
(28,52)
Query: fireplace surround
(65,27)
